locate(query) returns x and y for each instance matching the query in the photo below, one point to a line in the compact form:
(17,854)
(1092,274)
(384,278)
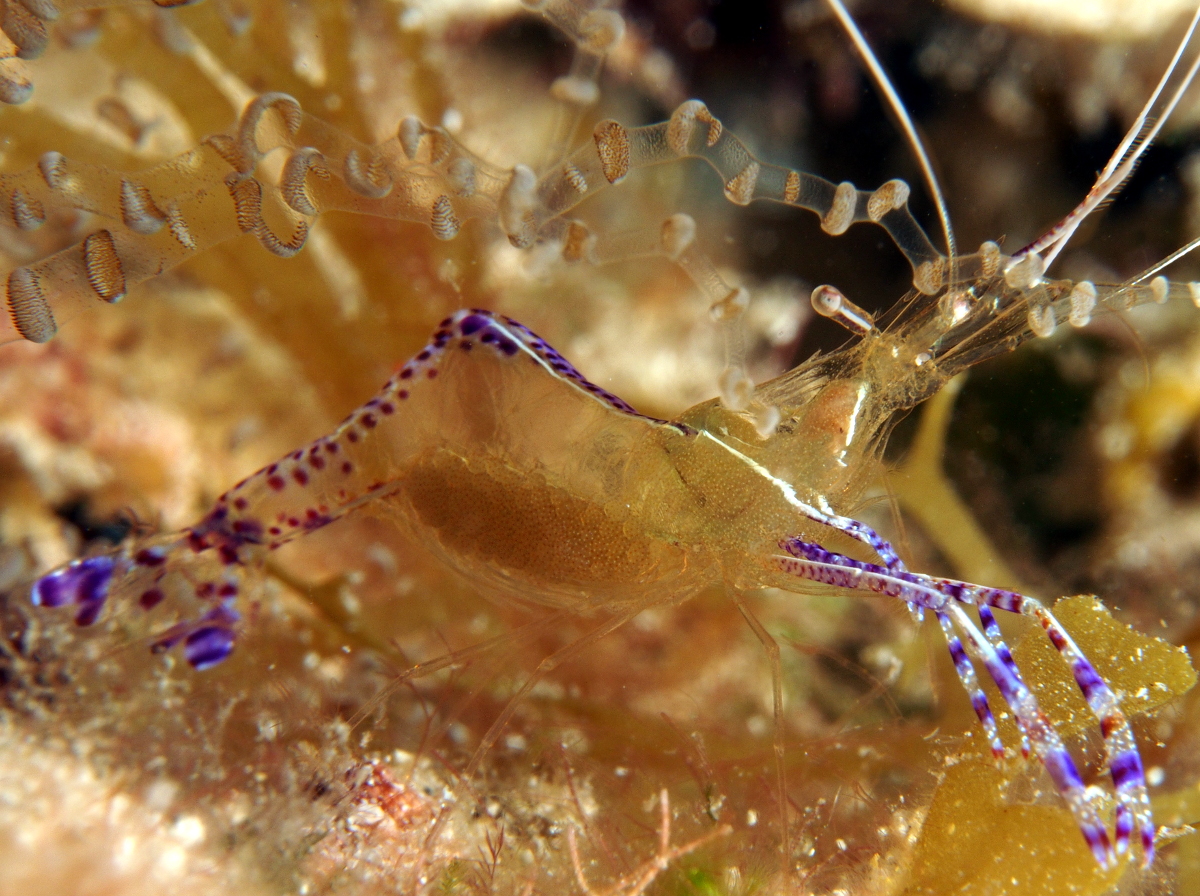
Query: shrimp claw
(944,597)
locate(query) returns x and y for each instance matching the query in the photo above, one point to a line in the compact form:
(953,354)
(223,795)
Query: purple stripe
(1088,679)
(1065,776)
(1127,770)
(1124,827)
(922,591)
(991,628)
(961,663)
(208,646)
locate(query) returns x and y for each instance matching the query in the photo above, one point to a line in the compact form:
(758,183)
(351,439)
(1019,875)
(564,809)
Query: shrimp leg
(364,460)
(944,596)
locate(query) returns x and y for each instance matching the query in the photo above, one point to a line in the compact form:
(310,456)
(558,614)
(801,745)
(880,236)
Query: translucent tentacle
(693,131)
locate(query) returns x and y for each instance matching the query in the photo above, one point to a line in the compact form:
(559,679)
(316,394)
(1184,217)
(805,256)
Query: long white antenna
(1137,140)
(910,131)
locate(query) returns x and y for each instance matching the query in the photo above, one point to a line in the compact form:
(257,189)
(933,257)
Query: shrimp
(496,453)
(510,465)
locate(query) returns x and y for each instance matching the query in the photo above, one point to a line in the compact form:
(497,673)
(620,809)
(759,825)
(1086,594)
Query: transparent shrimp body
(506,462)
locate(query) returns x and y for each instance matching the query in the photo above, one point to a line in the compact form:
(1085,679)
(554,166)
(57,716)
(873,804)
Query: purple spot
(507,346)
(207,646)
(472,323)
(205,590)
(81,582)
(293,522)
(272,469)
(317,462)
(432,373)
(424,355)
(250,530)
(300,476)
(151,598)
(227,589)
(387,408)
(347,466)
(274,530)
(402,394)
(150,557)
(406,373)
(368,420)
(447,322)
(88,613)
(276,482)
(351,436)
(466,346)
(332,447)
(240,503)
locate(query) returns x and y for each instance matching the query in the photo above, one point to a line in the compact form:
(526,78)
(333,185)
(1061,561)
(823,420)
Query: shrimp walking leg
(944,596)
(545,667)
(771,647)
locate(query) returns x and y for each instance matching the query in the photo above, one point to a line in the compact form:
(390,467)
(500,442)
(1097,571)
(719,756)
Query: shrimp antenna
(906,123)
(1137,140)
(1167,262)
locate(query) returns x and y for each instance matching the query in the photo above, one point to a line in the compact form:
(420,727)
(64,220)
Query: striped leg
(812,562)
(992,630)
(966,674)
(1124,761)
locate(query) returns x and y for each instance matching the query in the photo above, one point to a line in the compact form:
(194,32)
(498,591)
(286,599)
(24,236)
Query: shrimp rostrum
(505,461)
